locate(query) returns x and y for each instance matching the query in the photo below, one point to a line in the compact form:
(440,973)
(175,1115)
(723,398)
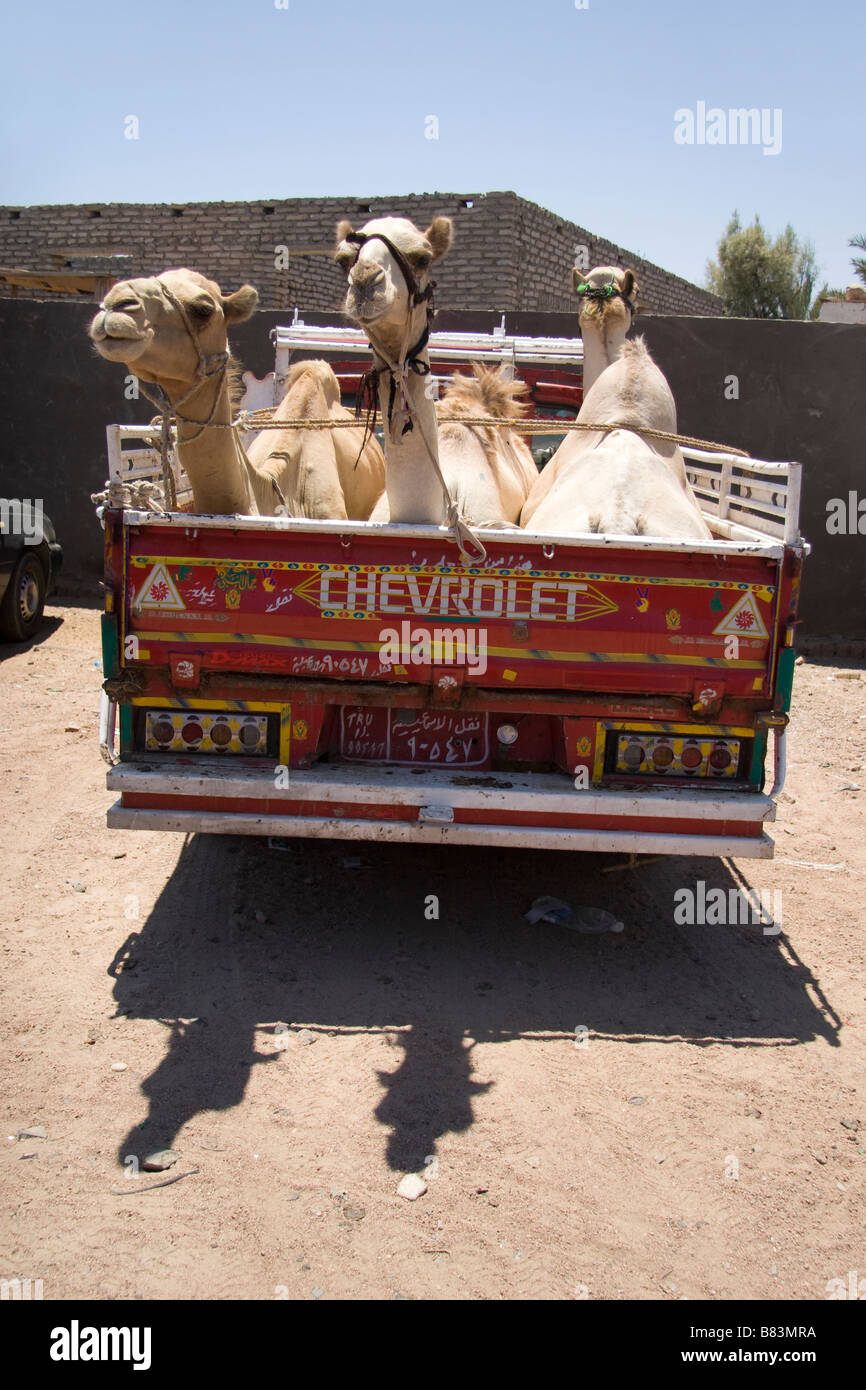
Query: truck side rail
(743,500)
(740,495)
(133,457)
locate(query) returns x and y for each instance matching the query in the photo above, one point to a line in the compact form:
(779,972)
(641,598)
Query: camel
(322,474)
(608,298)
(387,265)
(489,472)
(617,482)
(607,305)
(171,331)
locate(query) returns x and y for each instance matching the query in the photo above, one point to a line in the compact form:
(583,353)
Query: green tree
(858,243)
(760,278)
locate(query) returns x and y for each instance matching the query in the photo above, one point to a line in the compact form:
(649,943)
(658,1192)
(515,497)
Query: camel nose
(106,324)
(364,277)
(128,305)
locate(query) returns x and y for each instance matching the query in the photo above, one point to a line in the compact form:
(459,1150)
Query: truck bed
(286,677)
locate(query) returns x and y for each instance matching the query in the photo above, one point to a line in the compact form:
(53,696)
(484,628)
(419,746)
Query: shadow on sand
(347,947)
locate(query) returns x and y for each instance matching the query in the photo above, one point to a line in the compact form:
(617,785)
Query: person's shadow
(245,938)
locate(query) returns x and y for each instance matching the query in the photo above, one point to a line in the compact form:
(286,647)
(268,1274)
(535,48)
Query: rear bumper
(435,806)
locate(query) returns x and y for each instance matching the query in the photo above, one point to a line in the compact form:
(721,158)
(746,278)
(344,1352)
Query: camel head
(167,326)
(604,303)
(378,290)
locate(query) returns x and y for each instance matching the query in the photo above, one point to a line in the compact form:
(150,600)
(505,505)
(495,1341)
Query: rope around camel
(262,420)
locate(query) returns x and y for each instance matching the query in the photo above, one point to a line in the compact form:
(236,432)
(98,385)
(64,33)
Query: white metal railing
(742,499)
(745,497)
(498,346)
(133,457)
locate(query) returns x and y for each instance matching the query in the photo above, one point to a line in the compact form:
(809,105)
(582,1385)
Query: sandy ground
(302,1036)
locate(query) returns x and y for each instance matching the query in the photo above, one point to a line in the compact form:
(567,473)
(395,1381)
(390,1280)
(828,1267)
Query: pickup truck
(282,677)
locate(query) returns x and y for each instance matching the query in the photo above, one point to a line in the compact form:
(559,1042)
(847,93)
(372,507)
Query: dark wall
(801,389)
(56,398)
(800,397)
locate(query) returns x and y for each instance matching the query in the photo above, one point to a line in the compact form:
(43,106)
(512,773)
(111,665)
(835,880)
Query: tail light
(185,731)
(721,757)
(692,756)
(663,756)
(633,755)
(675,755)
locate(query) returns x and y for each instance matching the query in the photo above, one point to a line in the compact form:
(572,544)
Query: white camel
(322,474)
(618,482)
(487,473)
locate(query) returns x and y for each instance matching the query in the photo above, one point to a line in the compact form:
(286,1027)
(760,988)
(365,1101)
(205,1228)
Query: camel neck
(413,488)
(600,349)
(210,457)
(411,481)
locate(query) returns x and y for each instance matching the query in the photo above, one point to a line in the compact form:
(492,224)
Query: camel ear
(629,283)
(576,278)
(440,235)
(344,227)
(240,305)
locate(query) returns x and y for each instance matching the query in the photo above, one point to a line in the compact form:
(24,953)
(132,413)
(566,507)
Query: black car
(30,560)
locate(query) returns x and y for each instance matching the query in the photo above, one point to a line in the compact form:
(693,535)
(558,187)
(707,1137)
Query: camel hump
(489,391)
(638,361)
(636,349)
(318,372)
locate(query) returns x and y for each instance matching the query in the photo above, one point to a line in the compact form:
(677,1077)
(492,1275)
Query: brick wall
(509,254)
(546,245)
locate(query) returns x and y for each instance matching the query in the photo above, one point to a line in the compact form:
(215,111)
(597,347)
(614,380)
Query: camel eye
(345,259)
(201,310)
(421,260)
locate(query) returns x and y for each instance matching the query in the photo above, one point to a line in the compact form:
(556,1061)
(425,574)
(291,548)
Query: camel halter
(402,420)
(604,292)
(418,296)
(410,359)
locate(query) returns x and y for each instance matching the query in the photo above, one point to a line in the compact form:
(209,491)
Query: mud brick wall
(508,255)
(544,244)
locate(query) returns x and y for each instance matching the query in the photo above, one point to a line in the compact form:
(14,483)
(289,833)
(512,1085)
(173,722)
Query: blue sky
(573,108)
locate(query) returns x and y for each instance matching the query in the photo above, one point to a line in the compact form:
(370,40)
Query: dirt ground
(302,1036)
